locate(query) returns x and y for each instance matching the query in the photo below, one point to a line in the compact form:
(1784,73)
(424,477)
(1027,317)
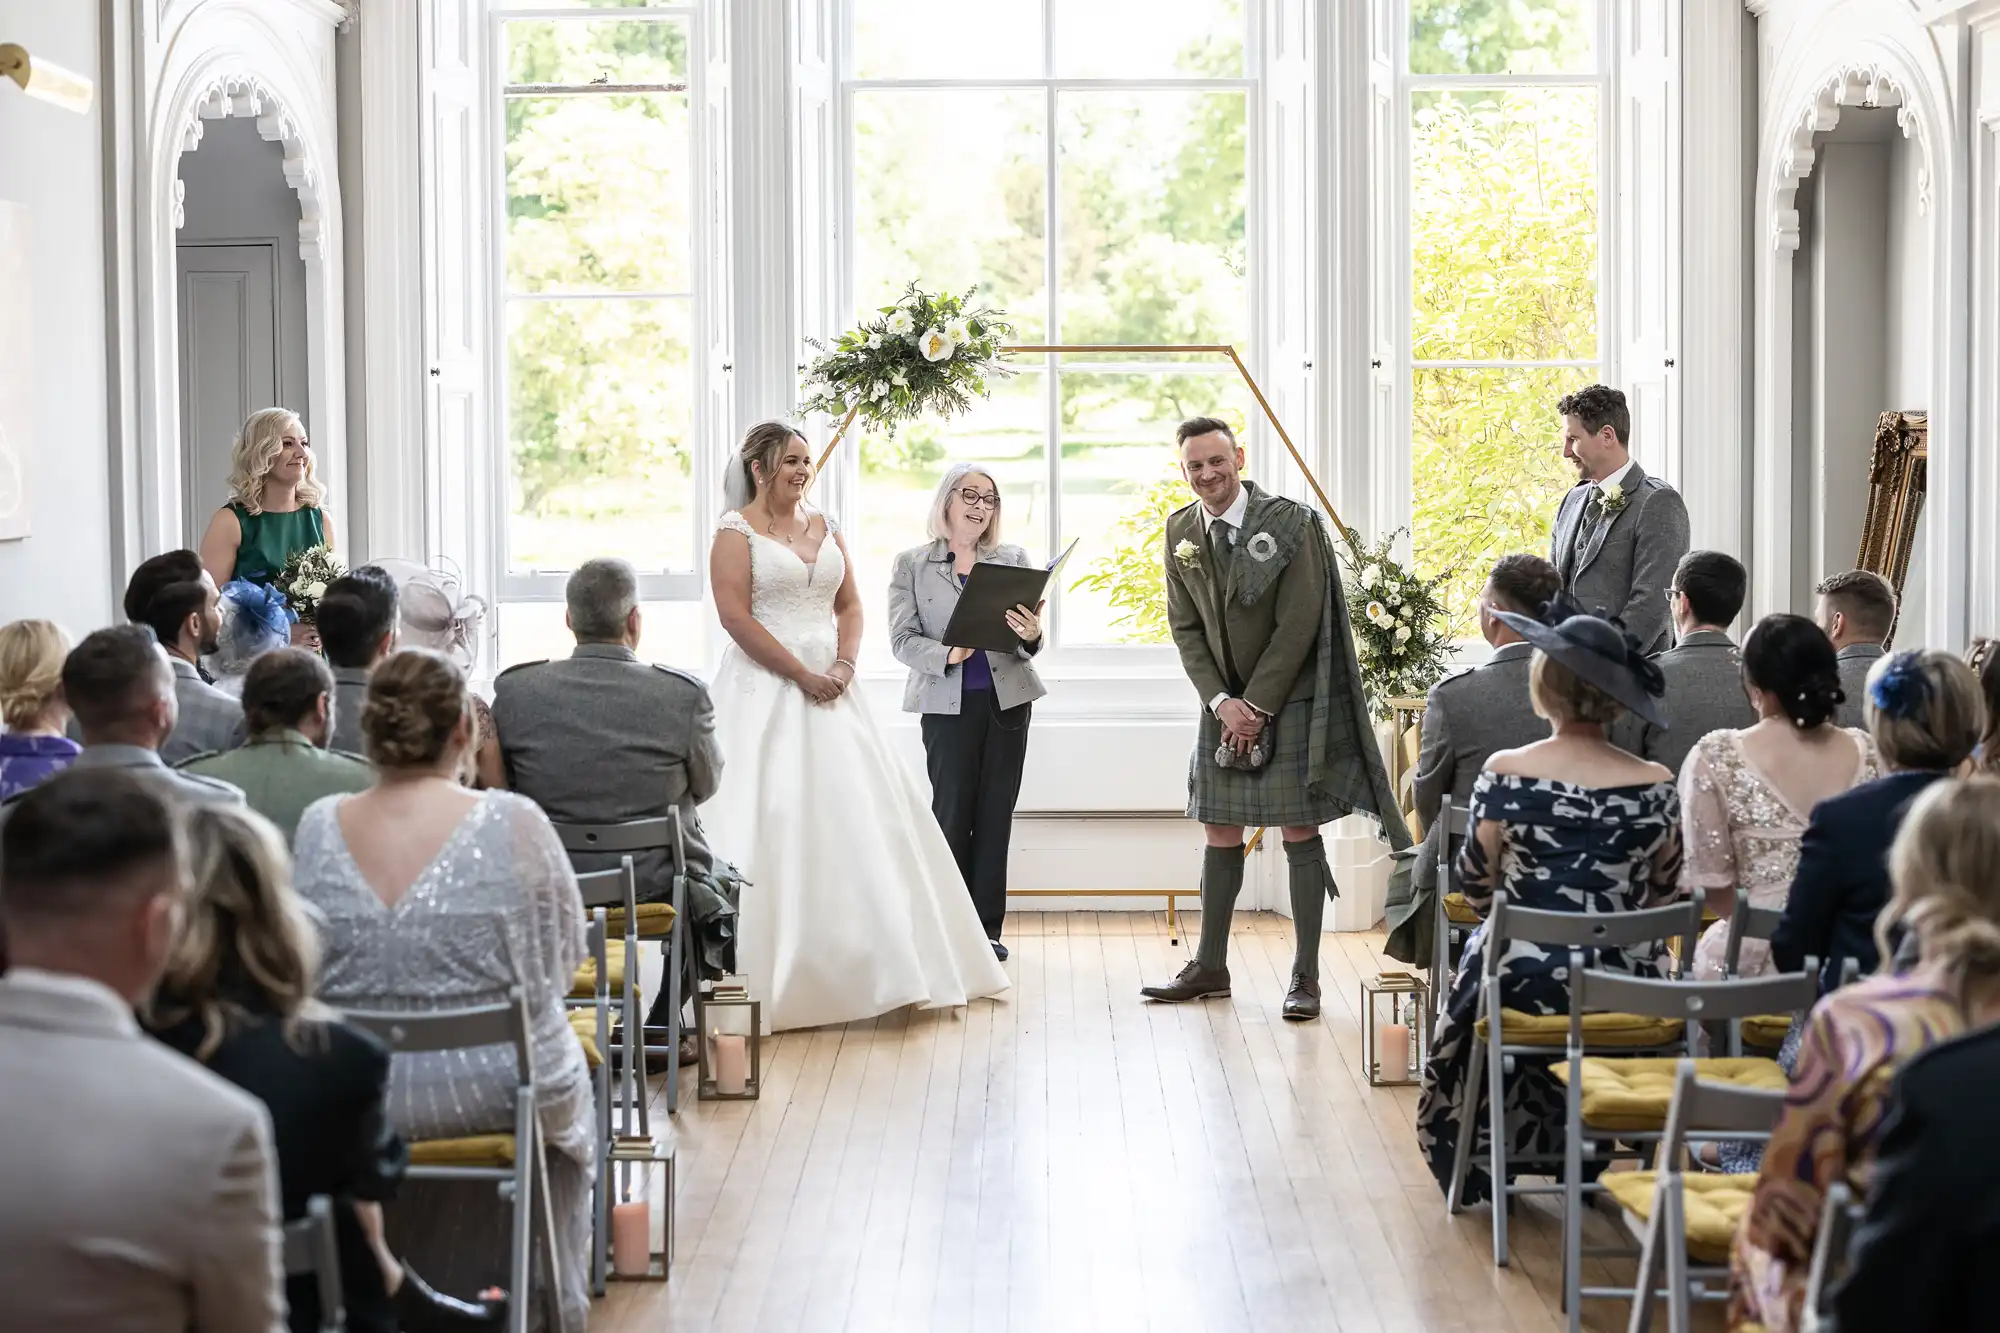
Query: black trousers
(975,762)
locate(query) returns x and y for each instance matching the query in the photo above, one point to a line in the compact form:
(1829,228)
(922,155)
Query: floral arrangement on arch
(304,579)
(1401,631)
(925,355)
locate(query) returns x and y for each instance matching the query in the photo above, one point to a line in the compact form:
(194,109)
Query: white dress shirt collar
(1618,478)
(1233,515)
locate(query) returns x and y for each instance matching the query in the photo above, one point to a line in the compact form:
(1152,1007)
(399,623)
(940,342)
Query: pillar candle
(732,1064)
(631,1239)
(1392,1052)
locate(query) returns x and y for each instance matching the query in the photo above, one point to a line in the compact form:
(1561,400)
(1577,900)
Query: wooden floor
(1075,1158)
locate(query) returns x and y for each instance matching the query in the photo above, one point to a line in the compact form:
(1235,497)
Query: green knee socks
(1221,881)
(1312,884)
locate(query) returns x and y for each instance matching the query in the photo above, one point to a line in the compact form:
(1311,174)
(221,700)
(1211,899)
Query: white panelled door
(1647,228)
(229,362)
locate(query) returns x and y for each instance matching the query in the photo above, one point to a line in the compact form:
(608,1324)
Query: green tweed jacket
(281,773)
(1255,634)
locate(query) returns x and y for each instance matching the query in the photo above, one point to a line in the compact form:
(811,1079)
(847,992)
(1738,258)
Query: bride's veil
(736,489)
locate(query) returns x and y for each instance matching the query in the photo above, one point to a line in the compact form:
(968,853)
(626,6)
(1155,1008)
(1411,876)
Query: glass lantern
(1394,1037)
(730,1023)
(633,1256)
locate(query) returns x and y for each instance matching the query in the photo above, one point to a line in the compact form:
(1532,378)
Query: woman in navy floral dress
(1568,824)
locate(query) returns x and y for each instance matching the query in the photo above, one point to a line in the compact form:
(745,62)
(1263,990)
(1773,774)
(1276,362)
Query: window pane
(1488,472)
(1504,225)
(504,5)
(1120,480)
(949,191)
(597,193)
(1149,39)
(673,633)
(947,39)
(1154,218)
(1006,433)
(1501,36)
(567,51)
(598,413)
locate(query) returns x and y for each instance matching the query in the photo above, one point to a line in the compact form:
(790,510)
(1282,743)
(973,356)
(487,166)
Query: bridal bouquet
(305,576)
(923,355)
(1401,632)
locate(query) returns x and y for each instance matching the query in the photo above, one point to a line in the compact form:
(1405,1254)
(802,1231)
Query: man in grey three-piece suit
(172,595)
(1619,533)
(1703,670)
(1858,612)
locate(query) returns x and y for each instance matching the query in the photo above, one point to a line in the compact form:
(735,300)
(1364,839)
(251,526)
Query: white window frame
(538,585)
(1060,661)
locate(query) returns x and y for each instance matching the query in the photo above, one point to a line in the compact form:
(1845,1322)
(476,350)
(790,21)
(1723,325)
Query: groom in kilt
(1255,605)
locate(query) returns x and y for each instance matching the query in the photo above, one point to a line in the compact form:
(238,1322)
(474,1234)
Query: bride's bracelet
(841,661)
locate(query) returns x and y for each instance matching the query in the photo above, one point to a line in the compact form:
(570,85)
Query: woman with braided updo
(1945,865)
(436,897)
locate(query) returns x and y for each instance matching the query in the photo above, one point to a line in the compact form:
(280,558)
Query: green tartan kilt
(1275,796)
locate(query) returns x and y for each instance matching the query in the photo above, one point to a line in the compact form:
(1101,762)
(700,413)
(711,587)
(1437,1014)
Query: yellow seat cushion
(585,984)
(1624,1030)
(583,1022)
(1714,1206)
(656,921)
(1766,1031)
(1633,1093)
(1458,911)
(478,1150)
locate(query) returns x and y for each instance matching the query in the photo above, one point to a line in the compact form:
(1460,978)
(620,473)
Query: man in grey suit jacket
(138,1191)
(1703,670)
(173,596)
(1858,612)
(1619,532)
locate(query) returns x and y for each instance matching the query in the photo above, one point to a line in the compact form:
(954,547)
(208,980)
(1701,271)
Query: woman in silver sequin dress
(437,897)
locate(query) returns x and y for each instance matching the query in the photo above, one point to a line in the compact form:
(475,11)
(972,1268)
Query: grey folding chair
(600,1088)
(311,1250)
(1748,923)
(1457,819)
(648,835)
(516,1166)
(1839,1217)
(602,890)
(1506,924)
(1687,1002)
(1702,1111)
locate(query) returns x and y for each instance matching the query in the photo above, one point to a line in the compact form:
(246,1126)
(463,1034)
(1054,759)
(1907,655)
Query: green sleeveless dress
(271,539)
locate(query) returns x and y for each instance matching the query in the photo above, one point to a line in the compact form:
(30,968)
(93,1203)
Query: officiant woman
(975,703)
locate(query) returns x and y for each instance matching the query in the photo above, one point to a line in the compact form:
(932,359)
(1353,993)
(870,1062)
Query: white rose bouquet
(1401,632)
(305,578)
(924,355)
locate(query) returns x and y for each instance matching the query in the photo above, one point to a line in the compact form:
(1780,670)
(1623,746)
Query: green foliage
(918,449)
(1133,575)
(1498,36)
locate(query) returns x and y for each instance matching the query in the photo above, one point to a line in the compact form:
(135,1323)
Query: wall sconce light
(45,79)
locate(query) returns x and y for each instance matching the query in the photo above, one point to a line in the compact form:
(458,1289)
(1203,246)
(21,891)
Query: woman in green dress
(274,508)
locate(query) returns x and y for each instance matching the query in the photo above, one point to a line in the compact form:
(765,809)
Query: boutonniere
(1611,498)
(1188,554)
(1261,547)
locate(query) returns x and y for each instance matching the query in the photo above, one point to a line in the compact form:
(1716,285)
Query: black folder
(991,591)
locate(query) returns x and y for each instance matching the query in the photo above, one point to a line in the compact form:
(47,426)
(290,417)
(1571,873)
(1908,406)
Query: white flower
(936,345)
(1376,613)
(874,341)
(958,331)
(899,379)
(1187,553)
(316,591)
(1368,576)
(1402,634)
(1395,598)
(900,323)
(878,390)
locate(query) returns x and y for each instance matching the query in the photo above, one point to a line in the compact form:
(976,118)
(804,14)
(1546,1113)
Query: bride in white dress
(854,905)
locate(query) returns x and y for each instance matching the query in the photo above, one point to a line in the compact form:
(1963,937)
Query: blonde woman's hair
(1936,710)
(1560,695)
(31,662)
(1945,869)
(257,448)
(247,947)
(954,477)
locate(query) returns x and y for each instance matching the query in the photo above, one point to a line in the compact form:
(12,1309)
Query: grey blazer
(1468,717)
(1624,565)
(923,590)
(1704,675)
(208,720)
(1856,660)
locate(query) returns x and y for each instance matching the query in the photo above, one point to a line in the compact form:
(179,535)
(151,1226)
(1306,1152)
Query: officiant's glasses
(980,499)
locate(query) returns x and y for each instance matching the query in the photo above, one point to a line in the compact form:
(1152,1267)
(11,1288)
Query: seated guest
(435,897)
(238,997)
(33,748)
(357,629)
(174,597)
(1746,795)
(1473,713)
(1984,659)
(1946,867)
(601,737)
(1570,823)
(285,766)
(255,621)
(438,615)
(1858,611)
(121,689)
(1703,670)
(1925,714)
(138,1191)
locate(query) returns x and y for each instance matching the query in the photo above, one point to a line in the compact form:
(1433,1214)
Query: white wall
(52,162)
(1907,303)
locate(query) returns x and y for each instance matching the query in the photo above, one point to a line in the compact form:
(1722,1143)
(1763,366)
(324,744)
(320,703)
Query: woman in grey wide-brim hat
(1571,823)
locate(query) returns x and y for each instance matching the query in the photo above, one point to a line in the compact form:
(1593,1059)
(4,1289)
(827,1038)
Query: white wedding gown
(854,906)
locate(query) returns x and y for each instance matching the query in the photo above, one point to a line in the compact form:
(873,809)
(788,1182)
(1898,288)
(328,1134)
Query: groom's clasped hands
(1242,724)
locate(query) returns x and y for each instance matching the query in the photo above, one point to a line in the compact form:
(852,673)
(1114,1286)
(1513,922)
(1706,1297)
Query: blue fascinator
(1900,689)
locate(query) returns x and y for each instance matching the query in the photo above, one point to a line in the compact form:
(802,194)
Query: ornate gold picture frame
(1896,483)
